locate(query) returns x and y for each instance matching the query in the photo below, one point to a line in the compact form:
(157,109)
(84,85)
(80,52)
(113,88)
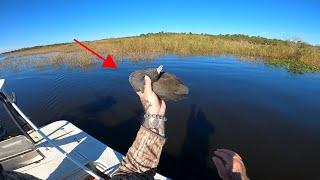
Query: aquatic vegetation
(295,66)
(295,56)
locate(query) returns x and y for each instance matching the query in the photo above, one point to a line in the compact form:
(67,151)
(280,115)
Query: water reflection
(92,110)
(196,144)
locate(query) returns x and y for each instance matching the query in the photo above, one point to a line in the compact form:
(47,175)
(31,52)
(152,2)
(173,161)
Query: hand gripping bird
(167,86)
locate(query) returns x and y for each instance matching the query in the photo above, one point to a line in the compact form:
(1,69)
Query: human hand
(150,101)
(232,168)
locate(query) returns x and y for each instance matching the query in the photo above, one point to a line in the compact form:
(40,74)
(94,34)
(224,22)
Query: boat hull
(79,145)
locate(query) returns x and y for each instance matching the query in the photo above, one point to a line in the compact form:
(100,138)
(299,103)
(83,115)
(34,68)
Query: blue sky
(28,23)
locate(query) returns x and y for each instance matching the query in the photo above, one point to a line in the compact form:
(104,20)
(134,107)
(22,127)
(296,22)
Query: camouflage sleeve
(143,156)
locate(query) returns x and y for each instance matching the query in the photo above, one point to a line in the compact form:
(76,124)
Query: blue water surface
(266,114)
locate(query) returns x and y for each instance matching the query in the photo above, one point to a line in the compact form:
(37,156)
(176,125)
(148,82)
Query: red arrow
(107,62)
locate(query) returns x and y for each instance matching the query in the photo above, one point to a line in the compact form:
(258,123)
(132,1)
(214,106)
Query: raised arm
(143,156)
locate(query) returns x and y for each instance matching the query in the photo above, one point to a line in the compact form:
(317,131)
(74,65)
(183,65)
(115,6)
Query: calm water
(2,57)
(267,115)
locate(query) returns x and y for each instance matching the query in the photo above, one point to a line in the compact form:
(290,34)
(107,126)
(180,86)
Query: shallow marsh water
(267,115)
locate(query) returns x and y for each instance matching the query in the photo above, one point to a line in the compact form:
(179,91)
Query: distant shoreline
(295,56)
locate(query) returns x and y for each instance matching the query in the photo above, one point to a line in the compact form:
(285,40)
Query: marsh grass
(295,56)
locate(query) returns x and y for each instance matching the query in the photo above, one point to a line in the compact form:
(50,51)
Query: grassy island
(294,56)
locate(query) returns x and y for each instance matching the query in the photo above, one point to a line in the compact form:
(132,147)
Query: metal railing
(18,116)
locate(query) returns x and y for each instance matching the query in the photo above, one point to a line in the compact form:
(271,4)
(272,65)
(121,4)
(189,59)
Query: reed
(295,56)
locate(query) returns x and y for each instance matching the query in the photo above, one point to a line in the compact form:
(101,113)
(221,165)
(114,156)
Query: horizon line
(137,35)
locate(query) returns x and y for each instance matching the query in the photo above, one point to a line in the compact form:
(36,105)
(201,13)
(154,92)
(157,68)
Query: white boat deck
(79,145)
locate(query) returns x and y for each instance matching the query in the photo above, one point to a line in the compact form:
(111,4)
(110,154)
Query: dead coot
(167,86)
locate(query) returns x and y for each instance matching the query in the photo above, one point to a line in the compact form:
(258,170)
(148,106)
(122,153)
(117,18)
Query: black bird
(167,86)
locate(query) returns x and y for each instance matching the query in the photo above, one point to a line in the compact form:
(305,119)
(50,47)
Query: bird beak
(159,69)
